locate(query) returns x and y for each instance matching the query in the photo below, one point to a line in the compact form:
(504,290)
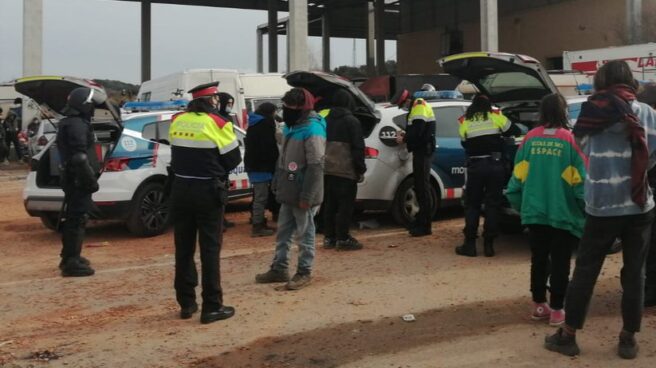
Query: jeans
(339,199)
(486,178)
(260,198)
(598,236)
(197,210)
(421,164)
(299,222)
(551,252)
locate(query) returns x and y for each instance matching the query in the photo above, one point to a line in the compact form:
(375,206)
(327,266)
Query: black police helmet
(83,100)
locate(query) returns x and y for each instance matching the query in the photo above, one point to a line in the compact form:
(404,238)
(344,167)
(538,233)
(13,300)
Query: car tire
(50,220)
(150,214)
(405,206)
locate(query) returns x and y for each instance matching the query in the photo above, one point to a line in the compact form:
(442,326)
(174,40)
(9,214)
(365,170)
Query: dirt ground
(470,312)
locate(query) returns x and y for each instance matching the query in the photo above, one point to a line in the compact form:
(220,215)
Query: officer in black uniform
(79,171)
(419,137)
(204,149)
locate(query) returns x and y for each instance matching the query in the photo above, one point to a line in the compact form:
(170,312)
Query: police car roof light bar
(156,105)
(439,95)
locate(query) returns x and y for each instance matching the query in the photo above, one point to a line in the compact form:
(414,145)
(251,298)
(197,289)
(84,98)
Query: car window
(150,132)
(401,120)
(501,82)
(48,127)
(574,110)
(447,123)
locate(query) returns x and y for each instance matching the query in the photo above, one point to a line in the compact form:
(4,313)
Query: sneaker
(540,311)
(627,347)
(557,317)
(272,276)
(350,243)
(329,243)
(299,281)
(562,343)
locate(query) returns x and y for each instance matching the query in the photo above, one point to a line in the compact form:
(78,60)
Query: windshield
(499,83)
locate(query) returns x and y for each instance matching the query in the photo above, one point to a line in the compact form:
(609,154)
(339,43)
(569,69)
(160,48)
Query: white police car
(134,153)
(388,182)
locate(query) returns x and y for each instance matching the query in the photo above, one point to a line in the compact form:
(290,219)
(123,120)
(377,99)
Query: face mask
(228,109)
(291,116)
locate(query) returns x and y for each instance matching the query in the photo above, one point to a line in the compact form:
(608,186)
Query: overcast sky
(101,39)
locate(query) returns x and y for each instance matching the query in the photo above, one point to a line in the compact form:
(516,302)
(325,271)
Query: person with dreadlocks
(616,133)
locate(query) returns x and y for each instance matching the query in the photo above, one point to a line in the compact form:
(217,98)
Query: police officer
(79,171)
(419,137)
(204,149)
(481,135)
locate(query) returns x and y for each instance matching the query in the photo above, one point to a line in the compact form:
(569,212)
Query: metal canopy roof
(348,17)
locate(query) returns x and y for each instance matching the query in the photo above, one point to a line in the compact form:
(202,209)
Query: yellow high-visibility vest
(200,130)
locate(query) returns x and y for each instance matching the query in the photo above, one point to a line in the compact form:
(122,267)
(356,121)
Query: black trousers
(598,236)
(77,206)
(12,138)
(551,252)
(197,210)
(338,203)
(486,178)
(421,164)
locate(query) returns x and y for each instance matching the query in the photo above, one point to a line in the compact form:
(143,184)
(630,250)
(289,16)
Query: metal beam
(298,35)
(273,35)
(145,40)
(32,37)
(325,41)
(370,45)
(260,51)
(489,25)
(634,21)
(379,7)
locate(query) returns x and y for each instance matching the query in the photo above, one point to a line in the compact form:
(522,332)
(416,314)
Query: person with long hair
(615,131)
(481,135)
(550,164)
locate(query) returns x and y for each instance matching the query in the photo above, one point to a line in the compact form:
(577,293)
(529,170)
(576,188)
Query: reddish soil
(470,312)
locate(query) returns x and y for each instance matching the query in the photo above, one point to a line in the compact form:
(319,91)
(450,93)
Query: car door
(449,157)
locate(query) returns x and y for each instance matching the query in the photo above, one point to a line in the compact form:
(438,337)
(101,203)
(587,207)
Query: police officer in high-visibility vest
(204,149)
(481,134)
(419,137)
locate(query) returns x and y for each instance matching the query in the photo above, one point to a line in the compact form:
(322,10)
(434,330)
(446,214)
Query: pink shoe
(557,317)
(540,311)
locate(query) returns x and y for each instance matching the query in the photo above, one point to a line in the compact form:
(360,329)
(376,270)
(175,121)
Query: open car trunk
(324,85)
(51,94)
(515,83)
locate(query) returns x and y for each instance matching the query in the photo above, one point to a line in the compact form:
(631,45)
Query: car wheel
(50,220)
(405,205)
(150,214)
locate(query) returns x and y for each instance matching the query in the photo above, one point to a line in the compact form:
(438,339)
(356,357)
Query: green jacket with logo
(547,182)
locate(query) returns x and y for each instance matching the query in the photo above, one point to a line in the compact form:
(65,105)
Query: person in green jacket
(547,189)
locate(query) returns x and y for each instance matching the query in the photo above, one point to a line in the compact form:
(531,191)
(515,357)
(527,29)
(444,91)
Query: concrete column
(371,66)
(273,35)
(145,40)
(489,25)
(32,37)
(260,51)
(634,21)
(298,35)
(325,39)
(380,36)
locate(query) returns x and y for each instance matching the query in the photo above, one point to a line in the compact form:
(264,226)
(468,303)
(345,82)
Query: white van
(249,90)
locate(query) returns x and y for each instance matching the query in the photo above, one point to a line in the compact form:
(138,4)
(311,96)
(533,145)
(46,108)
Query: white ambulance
(641,59)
